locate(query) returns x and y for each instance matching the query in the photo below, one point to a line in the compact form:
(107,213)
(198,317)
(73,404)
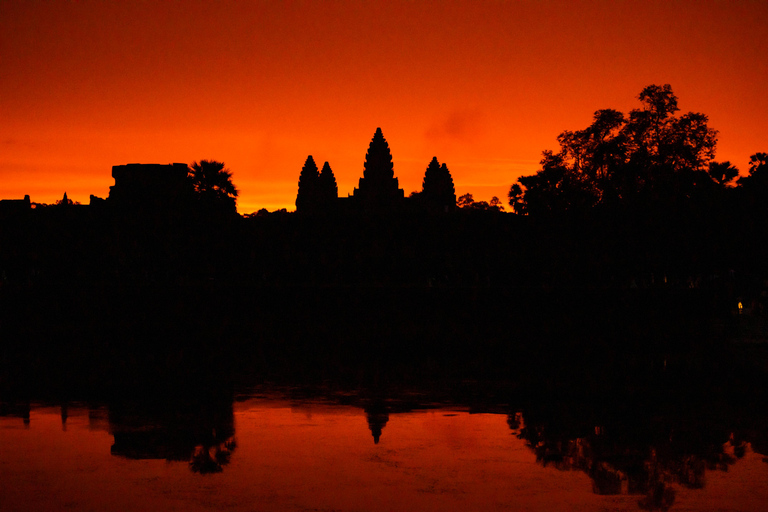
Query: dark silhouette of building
(149,186)
(378,189)
(438,192)
(306,198)
(317,190)
(10,207)
(329,191)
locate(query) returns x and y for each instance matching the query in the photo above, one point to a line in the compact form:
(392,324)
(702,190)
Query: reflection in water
(16,410)
(377,416)
(201,432)
(647,411)
(634,455)
(315,451)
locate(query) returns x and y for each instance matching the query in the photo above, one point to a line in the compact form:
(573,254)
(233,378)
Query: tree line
(652,156)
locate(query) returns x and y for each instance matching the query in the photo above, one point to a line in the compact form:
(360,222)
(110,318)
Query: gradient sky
(484,86)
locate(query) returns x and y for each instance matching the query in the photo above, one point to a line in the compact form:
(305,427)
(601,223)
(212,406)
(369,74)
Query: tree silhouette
(723,173)
(515,197)
(758,173)
(651,153)
(467,202)
(438,192)
(306,198)
(212,183)
(210,458)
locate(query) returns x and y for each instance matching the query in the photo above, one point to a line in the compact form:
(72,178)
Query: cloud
(458,125)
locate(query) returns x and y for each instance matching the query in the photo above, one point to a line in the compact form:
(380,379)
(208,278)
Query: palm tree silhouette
(213,183)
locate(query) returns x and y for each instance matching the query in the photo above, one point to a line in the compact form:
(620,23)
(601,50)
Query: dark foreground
(651,395)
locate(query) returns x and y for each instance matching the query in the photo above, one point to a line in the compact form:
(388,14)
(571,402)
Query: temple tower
(306,198)
(438,193)
(378,188)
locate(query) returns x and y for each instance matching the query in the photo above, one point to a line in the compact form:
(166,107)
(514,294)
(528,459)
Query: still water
(268,451)
(380,401)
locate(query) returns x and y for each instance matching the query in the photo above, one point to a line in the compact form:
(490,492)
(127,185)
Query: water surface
(270,452)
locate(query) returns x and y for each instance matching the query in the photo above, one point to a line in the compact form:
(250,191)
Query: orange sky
(484,86)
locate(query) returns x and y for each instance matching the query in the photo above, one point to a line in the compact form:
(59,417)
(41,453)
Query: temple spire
(329,190)
(438,192)
(306,198)
(378,188)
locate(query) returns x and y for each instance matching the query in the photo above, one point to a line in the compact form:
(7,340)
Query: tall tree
(758,173)
(212,183)
(722,173)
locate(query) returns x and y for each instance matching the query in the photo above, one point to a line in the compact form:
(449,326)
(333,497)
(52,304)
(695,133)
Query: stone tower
(438,193)
(378,188)
(306,198)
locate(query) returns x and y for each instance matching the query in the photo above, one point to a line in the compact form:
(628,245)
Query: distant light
(741,308)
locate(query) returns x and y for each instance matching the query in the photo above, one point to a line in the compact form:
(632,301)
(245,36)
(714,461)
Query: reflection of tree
(629,455)
(658,497)
(198,431)
(211,458)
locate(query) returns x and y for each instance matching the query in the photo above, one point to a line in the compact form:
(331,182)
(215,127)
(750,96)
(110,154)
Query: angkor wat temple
(378,190)
(148,186)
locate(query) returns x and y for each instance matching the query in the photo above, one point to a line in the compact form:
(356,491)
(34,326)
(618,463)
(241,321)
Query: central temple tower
(378,188)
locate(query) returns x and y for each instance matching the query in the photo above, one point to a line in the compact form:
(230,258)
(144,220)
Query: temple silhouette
(378,190)
(157,189)
(148,186)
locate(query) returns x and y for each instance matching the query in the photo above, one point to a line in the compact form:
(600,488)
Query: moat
(380,399)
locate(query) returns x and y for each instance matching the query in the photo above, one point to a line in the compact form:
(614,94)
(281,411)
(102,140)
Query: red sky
(484,86)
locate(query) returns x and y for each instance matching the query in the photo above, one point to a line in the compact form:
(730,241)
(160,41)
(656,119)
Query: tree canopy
(467,202)
(212,183)
(650,154)
(758,173)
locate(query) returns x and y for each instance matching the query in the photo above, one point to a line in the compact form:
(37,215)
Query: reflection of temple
(377,415)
